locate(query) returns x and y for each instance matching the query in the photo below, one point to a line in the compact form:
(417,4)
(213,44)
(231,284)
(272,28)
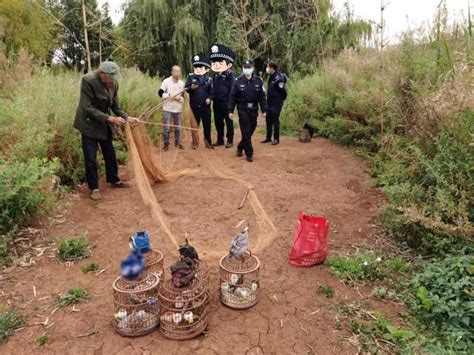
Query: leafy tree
(299,33)
(102,38)
(24,25)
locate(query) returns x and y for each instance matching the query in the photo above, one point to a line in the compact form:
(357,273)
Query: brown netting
(142,150)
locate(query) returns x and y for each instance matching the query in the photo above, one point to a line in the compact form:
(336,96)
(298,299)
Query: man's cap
(220,52)
(199,61)
(248,63)
(110,68)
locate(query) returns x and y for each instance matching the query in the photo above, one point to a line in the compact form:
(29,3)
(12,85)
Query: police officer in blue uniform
(199,87)
(247,94)
(276,96)
(222,58)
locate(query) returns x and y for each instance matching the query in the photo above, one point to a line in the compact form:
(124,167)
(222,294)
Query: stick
(169,125)
(243,199)
(92,332)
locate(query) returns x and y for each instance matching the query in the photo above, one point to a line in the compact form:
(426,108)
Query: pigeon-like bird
(240,244)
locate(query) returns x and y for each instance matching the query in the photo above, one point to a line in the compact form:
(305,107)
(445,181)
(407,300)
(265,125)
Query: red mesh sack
(310,245)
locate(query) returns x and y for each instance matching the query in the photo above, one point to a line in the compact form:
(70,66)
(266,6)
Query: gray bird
(240,244)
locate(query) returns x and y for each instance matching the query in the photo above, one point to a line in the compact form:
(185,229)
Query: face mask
(247,71)
(268,70)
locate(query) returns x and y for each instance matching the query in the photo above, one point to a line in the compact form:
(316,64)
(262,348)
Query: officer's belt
(248,105)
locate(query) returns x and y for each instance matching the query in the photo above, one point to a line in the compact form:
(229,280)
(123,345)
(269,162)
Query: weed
(74,295)
(92,267)
(73,248)
(9,321)
(42,340)
(365,267)
(326,290)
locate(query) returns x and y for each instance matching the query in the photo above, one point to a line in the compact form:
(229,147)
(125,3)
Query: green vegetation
(73,248)
(366,267)
(42,340)
(326,290)
(9,321)
(92,267)
(74,295)
(159,34)
(442,300)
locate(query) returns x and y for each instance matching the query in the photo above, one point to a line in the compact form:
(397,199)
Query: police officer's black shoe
(229,145)
(266,141)
(250,159)
(239,152)
(275,142)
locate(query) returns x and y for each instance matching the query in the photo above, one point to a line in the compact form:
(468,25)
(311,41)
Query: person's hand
(117,121)
(231,116)
(264,114)
(180,98)
(133,121)
(194,86)
(208,101)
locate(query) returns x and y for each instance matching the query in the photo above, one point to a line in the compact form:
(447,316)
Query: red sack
(310,245)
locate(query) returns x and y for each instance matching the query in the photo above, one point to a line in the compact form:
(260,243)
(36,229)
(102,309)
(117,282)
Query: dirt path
(291,317)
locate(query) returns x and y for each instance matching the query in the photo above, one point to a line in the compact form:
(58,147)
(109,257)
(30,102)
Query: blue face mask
(247,71)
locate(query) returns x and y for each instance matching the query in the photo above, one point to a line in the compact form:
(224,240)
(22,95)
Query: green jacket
(95,104)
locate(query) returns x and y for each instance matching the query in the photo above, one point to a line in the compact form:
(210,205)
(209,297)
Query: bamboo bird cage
(239,281)
(183,311)
(136,305)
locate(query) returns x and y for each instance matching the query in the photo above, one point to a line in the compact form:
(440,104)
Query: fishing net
(146,166)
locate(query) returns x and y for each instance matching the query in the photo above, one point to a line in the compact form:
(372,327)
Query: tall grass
(38,145)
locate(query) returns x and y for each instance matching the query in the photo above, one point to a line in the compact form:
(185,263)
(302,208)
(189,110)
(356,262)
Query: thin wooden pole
(86,39)
(100,38)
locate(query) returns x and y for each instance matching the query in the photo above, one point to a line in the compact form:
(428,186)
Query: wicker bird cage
(183,311)
(154,263)
(239,281)
(202,273)
(136,305)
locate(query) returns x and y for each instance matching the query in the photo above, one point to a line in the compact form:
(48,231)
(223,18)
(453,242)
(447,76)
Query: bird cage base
(183,311)
(136,305)
(239,281)
(154,263)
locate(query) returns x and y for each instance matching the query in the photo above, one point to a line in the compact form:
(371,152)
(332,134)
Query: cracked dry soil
(290,318)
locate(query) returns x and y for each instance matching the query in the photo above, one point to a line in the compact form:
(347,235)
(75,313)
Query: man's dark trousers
(248,124)
(221,118)
(89,147)
(203,113)
(273,121)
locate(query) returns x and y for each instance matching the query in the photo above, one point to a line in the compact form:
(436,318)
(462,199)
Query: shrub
(26,191)
(73,248)
(443,299)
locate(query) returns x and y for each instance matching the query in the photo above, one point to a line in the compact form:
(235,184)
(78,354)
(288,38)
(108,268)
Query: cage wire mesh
(136,305)
(154,263)
(239,281)
(183,311)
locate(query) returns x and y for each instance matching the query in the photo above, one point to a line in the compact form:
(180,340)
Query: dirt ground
(290,318)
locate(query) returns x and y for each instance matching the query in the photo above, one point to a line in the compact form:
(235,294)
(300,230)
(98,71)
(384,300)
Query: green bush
(443,300)
(9,321)
(73,248)
(27,191)
(74,295)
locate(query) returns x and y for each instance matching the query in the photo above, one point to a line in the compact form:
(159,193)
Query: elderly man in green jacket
(98,99)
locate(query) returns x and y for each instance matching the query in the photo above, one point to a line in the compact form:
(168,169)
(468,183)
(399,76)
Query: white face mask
(247,71)
(268,70)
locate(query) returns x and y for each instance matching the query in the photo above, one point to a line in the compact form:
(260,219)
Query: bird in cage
(188,251)
(183,272)
(240,243)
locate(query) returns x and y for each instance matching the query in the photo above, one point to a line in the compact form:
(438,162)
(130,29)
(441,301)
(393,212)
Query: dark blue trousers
(89,148)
